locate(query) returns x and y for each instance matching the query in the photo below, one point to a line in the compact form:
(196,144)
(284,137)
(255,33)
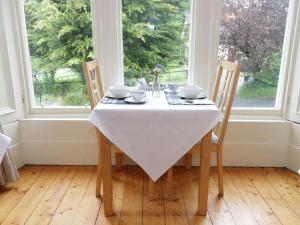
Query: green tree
(252,32)
(154,31)
(59,34)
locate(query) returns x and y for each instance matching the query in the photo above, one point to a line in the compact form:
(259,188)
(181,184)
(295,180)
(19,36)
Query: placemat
(174,99)
(107,100)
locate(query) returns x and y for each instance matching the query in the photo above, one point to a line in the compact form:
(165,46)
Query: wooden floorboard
(153,210)
(119,181)
(188,182)
(24,209)
(258,206)
(132,207)
(67,209)
(175,212)
(54,195)
(66,195)
(12,194)
(235,202)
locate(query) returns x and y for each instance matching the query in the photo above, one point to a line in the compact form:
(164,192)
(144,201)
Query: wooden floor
(66,195)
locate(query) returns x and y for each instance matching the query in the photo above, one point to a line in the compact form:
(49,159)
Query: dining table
(155,134)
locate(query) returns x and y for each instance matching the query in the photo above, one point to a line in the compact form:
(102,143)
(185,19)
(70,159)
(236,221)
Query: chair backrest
(223,94)
(93,81)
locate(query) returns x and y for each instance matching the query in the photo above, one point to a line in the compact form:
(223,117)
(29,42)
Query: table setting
(174,94)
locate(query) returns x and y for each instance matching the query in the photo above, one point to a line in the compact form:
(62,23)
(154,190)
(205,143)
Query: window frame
(204,42)
(6,67)
(32,109)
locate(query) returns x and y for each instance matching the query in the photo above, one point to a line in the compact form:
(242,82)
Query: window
(130,37)
(252,33)
(60,38)
(156,32)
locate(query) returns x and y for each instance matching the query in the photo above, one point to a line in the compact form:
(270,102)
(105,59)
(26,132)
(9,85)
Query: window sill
(84,117)
(62,111)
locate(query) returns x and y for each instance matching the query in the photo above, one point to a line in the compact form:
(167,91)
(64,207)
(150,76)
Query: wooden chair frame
(93,79)
(232,72)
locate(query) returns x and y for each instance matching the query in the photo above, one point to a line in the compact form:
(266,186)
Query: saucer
(109,95)
(131,100)
(169,91)
(199,96)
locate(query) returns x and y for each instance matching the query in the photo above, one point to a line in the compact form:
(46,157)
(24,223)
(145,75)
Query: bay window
(129,37)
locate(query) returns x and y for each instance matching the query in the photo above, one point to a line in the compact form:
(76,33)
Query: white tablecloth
(155,135)
(8,170)
(4,143)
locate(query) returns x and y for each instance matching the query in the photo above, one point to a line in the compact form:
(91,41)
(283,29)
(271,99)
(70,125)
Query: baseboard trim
(293,158)
(84,152)
(16,151)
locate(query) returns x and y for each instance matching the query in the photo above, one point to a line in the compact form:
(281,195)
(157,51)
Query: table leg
(151,189)
(107,176)
(204,174)
(169,184)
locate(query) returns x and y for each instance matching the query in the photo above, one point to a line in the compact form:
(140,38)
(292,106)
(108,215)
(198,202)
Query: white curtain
(8,170)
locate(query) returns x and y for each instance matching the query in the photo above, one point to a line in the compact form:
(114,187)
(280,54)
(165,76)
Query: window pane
(60,39)
(252,33)
(156,32)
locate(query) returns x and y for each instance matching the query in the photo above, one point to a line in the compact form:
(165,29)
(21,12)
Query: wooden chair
(94,84)
(223,99)
(223,95)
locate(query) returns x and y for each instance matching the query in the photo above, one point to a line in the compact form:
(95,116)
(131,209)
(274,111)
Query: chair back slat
(223,94)
(93,81)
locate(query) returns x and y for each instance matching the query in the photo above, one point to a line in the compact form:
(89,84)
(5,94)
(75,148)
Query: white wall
(13,131)
(293,156)
(248,143)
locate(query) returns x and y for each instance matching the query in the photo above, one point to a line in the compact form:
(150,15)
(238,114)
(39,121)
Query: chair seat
(214,138)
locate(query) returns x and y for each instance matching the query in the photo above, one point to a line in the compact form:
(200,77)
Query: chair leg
(188,160)
(99,180)
(151,189)
(220,170)
(118,157)
(99,169)
(169,183)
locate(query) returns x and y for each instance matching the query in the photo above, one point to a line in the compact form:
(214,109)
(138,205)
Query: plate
(131,100)
(109,95)
(199,96)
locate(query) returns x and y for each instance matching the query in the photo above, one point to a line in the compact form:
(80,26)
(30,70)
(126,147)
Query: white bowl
(190,91)
(119,91)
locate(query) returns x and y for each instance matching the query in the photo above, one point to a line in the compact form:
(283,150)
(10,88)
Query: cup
(138,95)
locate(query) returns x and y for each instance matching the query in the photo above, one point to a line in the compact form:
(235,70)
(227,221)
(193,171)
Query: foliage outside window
(60,39)
(156,32)
(252,33)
